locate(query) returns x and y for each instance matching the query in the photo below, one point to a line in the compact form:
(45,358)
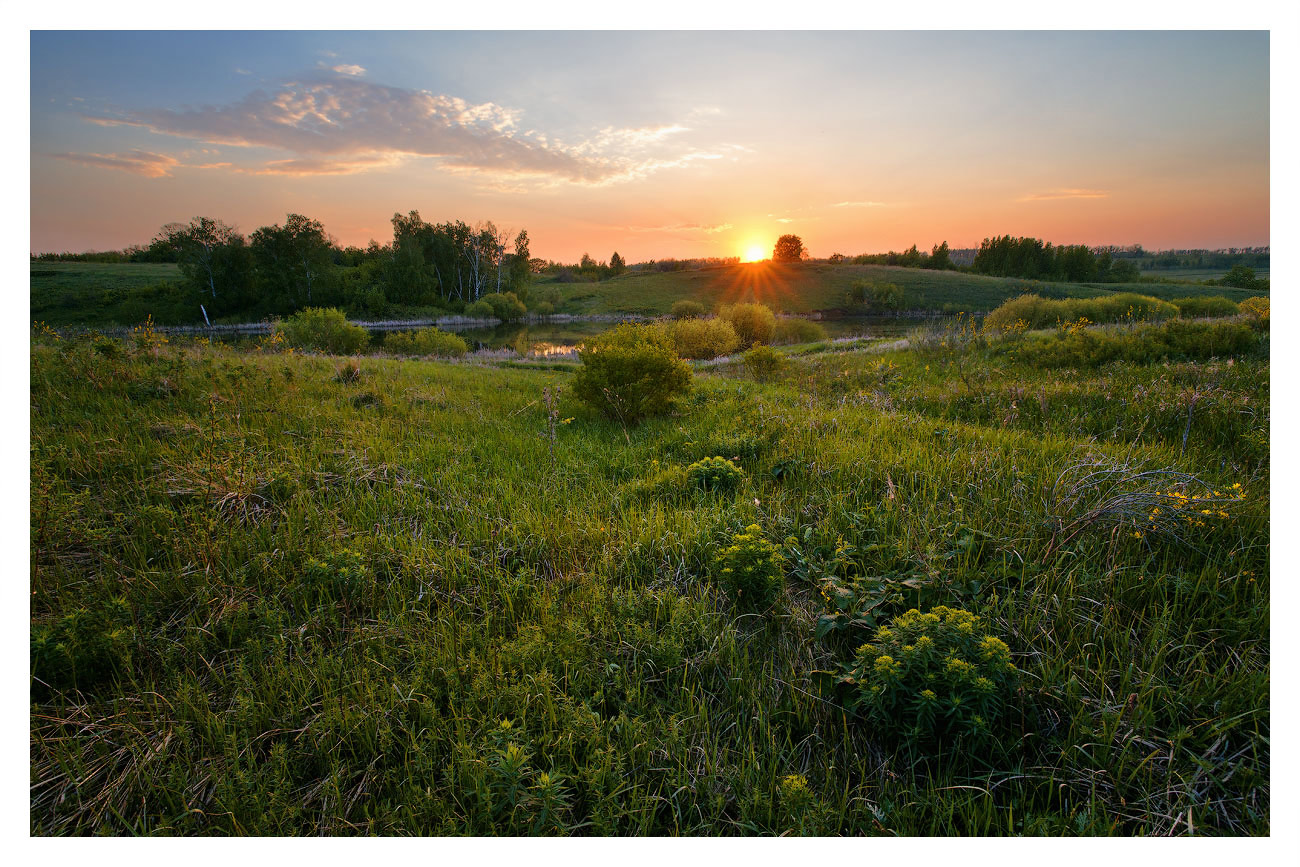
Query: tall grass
(431,601)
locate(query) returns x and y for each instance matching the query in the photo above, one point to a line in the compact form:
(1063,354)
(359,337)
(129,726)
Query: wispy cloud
(1066,194)
(682,227)
(349,69)
(138,162)
(858,205)
(357,124)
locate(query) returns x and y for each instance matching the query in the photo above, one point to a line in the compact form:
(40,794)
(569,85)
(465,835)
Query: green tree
(521,273)
(789,248)
(617,265)
(212,255)
(939,258)
(294,262)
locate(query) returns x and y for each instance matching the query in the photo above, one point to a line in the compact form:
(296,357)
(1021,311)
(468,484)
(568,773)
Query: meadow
(274,592)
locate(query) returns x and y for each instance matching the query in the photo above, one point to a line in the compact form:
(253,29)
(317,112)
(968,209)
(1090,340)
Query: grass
(90,293)
(389,603)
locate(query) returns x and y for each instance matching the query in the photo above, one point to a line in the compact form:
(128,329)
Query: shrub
(480,310)
(754,323)
(1082,347)
(506,306)
(1205,306)
(631,372)
(930,676)
(324,329)
(714,474)
(544,308)
(878,296)
(426,341)
(764,362)
(703,338)
(791,330)
(687,309)
(750,568)
(1032,311)
(1256,308)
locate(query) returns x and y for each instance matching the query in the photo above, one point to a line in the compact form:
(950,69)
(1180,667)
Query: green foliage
(1242,277)
(714,474)
(1205,306)
(764,363)
(877,296)
(685,309)
(931,676)
(754,323)
(324,329)
(1034,311)
(1083,347)
(750,569)
(505,306)
(426,341)
(791,329)
(1256,308)
(631,372)
(480,310)
(82,648)
(703,338)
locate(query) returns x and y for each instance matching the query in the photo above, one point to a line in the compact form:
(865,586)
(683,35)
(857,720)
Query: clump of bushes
(323,329)
(1082,347)
(631,372)
(754,323)
(1033,311)
(1256,308)
(764,363)
(930,676)
(750,568)
(793,330)
(703,338)
(480,309)
(714,474)
(505,306)
(687,309)
(1203,306)
(426,341)
(876,296)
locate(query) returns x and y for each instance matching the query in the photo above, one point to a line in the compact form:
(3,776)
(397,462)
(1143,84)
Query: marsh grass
(439,611)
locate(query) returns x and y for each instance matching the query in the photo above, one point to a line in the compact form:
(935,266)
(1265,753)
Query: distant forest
(452,266)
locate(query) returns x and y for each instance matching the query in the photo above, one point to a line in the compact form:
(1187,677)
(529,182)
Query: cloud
(309,167)
(1066,194)
(138,162)
(683,227)
(858,205)
(349,69)
(784,220)
(353,123)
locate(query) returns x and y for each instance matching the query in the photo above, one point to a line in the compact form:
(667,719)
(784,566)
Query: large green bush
(687,309)
(1033,311)
(764,363)
(324,329)
(703,338)
(714,474)
(480,310)
(1207,306)
(631,372)
(795,330)
(506,306)
(879,297)
(754,323)
(426,341)
(1082,347)
(929,676)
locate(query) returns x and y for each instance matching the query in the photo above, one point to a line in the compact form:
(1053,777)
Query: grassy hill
(270,596)
(91,293)
(807,287)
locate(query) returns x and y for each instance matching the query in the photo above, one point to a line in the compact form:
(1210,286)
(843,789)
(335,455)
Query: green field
(95,295)
(807,287)
(271,597)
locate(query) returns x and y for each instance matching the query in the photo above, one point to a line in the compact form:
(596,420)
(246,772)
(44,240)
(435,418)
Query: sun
(754,253)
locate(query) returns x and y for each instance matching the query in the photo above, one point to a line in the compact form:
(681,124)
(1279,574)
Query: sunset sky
(658,144)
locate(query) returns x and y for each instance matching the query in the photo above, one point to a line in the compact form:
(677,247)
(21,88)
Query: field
(74,293)
(808,287)
(272,596)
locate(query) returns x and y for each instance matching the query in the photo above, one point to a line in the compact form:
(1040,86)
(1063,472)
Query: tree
(201,247)
(617,265)
(939,258)
(293,260)
(521,272)
(789,248)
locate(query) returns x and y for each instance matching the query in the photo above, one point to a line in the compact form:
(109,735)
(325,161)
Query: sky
(657,144)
